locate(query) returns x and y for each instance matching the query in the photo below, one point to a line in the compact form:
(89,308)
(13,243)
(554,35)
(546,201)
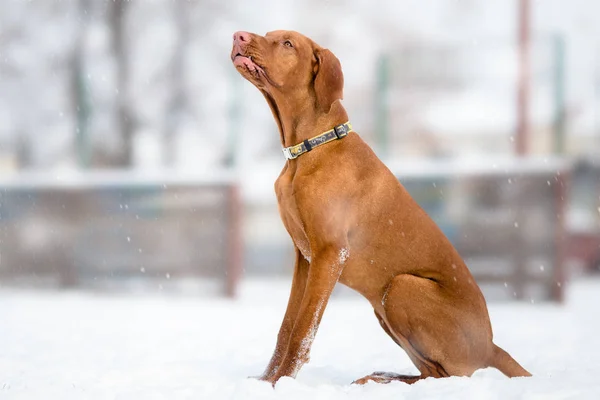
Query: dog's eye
(287,43)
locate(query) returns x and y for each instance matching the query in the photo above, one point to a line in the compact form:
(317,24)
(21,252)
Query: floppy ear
(329,80)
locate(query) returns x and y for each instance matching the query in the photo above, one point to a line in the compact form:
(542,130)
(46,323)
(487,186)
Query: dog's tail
(506,364)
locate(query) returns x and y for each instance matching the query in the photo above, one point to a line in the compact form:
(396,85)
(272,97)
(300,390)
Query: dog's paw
(386,377)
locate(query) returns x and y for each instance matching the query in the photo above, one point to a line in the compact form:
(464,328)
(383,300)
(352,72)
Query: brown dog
(352,221)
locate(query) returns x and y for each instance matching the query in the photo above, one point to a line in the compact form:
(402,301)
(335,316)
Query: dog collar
(338,132)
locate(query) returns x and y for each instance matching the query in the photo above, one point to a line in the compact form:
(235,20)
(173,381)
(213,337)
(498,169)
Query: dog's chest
(290,215)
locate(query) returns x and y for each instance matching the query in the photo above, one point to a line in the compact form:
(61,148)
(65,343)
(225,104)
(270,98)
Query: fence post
(235,250)
(561,191)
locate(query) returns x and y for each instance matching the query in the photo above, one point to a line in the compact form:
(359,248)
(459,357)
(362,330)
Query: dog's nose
(241,37)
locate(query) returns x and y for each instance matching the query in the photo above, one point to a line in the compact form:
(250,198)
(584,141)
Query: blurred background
(133,157)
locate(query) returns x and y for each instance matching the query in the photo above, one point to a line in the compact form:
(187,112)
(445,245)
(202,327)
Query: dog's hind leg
(441,337)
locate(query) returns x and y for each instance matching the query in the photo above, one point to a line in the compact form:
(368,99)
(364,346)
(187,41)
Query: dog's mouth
(252,69)
(247,63)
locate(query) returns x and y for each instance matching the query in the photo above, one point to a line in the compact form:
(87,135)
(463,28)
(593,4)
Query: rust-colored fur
(352,221)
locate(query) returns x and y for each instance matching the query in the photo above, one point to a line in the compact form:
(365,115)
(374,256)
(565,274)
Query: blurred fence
(98,227)
(506,219)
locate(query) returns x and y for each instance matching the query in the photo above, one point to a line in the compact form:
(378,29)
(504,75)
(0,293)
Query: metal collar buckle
(287,152)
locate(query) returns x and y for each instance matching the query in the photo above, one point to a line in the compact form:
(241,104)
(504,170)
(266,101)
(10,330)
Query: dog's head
(289,65)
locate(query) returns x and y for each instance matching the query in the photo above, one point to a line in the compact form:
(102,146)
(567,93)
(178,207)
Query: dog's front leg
(324,271)
(283,337)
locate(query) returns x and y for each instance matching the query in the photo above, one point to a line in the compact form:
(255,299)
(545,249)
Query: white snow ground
(74,345)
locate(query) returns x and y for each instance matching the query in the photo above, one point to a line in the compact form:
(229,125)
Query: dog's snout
(241,37)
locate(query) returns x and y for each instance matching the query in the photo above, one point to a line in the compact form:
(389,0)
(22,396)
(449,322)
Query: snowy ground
(95,346)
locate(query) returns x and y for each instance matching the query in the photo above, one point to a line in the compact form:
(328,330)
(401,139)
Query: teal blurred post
(234,112)
(559,94)
(382,129)
(80,91)
(82,140)
(597,98)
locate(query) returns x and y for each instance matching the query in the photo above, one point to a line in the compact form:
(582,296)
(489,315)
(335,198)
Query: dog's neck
(297,124)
